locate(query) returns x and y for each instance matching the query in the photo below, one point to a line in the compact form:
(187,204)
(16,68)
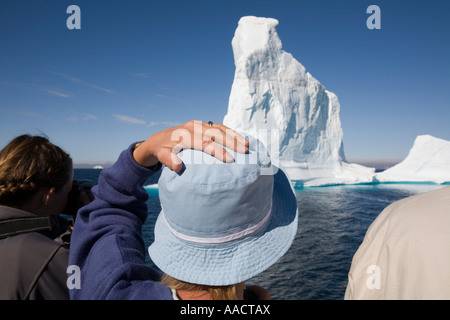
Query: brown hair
(216,292)
(28,163)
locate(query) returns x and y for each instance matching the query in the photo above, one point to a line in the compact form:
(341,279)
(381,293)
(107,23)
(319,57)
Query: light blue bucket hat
(223,223)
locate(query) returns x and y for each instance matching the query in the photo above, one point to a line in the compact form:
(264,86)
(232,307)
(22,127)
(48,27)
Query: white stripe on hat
(221,239)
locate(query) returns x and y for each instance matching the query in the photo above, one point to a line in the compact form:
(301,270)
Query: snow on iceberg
(272,92)
(427,161)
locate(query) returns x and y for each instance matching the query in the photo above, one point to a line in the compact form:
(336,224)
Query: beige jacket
(406,251)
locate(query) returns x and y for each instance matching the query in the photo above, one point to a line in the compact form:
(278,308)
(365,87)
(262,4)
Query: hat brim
(240,260)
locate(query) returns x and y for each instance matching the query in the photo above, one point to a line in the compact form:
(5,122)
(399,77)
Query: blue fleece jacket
(107,243)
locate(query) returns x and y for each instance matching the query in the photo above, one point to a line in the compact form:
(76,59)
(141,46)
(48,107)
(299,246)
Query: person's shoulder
(435,199)
(36,243)
(414,210)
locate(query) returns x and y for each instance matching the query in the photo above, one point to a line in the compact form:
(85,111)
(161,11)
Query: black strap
(36,278)
(12,227)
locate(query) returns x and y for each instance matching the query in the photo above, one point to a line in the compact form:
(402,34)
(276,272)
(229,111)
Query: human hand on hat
(209,137)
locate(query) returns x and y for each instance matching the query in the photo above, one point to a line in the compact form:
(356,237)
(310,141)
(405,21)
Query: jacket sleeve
(107,246)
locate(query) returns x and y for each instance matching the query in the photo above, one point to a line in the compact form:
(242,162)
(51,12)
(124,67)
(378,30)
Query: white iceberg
(274,99)
(427,161)
(273,93)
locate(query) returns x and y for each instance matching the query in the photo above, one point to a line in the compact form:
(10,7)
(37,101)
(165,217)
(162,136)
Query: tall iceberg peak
(272,91)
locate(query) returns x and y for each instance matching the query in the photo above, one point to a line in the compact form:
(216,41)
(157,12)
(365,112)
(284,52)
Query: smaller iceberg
(427,161)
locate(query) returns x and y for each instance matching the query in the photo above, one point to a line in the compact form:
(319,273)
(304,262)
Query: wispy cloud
(57,93)
(72,119)
(11,84)
(163,123)
(127,119)
(31,114)
(88,116)
(82,117)
(53,91)
(82,82)
(13,112)
(103,89)
(133,120)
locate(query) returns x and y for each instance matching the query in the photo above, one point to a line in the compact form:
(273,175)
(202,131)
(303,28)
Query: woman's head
(192,291)
(30,164)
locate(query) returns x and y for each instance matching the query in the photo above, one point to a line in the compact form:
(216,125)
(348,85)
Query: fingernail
(242,149)
(228,157)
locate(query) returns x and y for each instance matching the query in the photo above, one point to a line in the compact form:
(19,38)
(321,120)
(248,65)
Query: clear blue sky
(137,67)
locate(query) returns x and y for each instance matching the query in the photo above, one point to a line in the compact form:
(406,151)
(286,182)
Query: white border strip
(221,239)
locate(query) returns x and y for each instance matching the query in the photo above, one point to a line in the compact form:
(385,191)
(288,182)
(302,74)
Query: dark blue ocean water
(332,224)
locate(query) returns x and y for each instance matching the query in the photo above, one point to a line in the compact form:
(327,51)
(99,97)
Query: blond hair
(215,292)
(29,163)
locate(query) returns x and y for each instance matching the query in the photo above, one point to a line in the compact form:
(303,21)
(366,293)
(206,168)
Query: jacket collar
(7,212)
